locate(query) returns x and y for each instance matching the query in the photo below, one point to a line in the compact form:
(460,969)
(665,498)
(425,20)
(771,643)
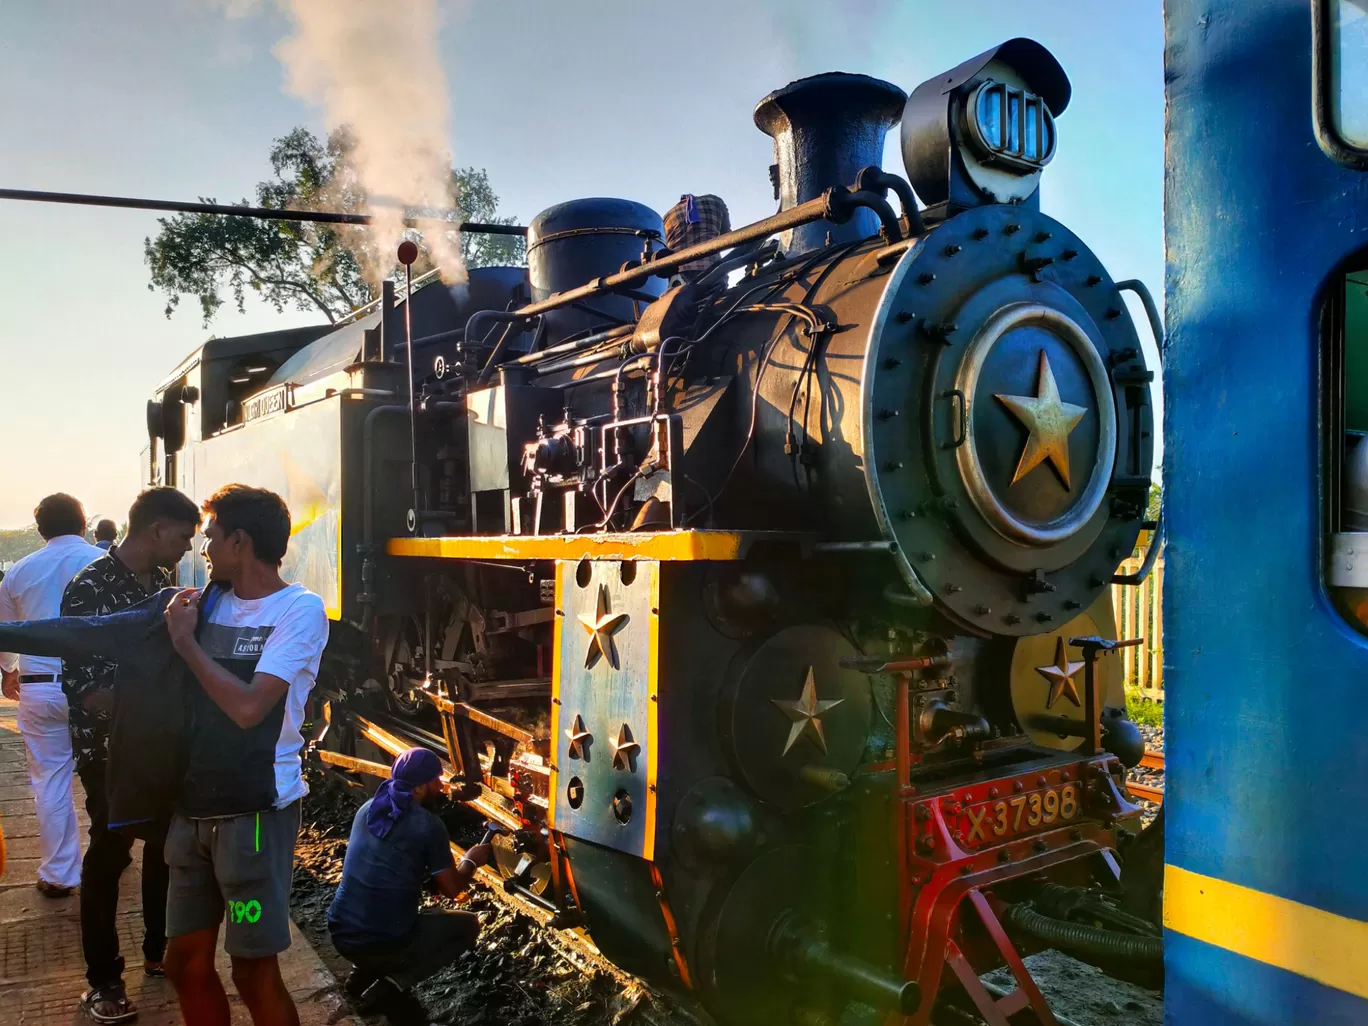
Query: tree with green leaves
(299,264)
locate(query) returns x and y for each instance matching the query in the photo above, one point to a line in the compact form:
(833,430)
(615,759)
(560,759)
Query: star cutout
(1049,421)
(1060,676)
(806,715)
(579,739)
(601,628)
(624,749)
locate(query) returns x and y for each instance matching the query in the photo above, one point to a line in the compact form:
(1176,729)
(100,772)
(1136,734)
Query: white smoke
(373,67)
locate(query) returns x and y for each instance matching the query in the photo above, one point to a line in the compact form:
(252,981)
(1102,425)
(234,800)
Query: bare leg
(263,991)
(190,967)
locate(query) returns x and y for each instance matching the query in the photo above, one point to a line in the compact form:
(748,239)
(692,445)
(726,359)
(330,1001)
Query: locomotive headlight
(1009,127)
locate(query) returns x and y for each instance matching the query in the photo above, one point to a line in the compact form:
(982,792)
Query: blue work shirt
(382,878)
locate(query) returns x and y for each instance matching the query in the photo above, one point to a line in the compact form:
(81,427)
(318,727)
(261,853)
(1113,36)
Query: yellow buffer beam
(663,545)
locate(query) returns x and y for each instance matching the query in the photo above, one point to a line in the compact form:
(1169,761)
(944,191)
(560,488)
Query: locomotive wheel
(536,877)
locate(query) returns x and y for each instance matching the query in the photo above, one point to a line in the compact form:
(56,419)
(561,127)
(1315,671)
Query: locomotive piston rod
(804,950)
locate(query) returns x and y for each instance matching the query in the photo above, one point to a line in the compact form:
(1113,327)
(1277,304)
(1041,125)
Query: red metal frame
(948,871)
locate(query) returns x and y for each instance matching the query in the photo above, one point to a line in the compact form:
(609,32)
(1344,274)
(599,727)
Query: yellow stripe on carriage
(1322,946)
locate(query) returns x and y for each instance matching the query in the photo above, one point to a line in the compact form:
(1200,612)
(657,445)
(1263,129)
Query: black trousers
(439,939)
(105,860)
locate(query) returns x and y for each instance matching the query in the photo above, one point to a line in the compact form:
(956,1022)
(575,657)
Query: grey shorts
(241,865)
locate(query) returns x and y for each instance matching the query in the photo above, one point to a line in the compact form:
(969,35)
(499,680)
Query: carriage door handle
(961,406)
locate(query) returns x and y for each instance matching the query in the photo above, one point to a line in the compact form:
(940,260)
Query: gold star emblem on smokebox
(624,749)
(806,714)
(1061,677)
(579,737)
(1049,421)
(601,627)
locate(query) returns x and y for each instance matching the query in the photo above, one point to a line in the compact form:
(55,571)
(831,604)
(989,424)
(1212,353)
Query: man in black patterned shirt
(161,525)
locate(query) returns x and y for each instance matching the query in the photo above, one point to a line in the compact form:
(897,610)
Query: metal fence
(1140,614)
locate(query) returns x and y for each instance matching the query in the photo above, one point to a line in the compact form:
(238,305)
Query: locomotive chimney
(826,129)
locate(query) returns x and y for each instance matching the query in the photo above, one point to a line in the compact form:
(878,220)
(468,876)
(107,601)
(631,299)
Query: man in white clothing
(32,590)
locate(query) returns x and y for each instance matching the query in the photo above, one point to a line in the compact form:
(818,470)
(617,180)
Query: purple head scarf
(414,768)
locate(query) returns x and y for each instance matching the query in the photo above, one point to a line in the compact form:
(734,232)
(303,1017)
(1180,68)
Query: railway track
(1151,761)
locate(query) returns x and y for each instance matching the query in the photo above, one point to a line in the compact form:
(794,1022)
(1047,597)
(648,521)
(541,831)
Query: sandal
(108,1004)
(52,890)
(155,970)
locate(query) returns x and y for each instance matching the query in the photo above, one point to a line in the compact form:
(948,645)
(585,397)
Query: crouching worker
(396,846)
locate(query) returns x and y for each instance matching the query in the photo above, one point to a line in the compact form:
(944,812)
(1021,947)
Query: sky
(179,99)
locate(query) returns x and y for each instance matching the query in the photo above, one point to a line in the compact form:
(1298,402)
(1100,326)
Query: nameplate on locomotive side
(1020,814)
(263,404)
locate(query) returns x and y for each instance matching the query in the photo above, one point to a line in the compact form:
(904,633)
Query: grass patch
(1146,714)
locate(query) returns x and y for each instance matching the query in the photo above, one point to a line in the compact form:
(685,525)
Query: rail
(1151,760)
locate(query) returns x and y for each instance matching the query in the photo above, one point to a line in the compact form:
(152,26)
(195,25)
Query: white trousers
(47,743)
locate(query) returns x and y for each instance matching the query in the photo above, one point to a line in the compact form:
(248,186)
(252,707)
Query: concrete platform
(42,973)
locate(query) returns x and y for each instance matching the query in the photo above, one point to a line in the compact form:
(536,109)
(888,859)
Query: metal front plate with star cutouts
(603,717)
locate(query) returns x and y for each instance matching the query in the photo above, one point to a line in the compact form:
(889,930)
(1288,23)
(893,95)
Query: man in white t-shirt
(230,847)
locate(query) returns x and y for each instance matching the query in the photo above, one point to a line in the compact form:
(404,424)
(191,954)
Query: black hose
(875,178)
(844,203)
(738,258)
(1091,939)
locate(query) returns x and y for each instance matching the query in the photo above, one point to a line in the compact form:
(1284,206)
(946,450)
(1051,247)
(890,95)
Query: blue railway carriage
(1266,893)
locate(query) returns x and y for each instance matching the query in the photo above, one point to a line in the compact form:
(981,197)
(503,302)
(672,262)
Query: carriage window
(1345,370)
(1348,46)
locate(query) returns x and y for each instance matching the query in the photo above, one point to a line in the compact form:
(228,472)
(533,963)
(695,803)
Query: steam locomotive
(757,581)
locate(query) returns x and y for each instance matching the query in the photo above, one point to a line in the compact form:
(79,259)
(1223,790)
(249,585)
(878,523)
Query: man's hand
(453,882)
(9,687)
(182,615)
(480,854)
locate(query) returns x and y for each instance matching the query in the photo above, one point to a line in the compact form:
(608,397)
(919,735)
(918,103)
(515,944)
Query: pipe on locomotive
(262,213)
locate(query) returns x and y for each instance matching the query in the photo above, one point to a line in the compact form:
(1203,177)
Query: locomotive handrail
(835,205)
(1151,554)
(1156,324)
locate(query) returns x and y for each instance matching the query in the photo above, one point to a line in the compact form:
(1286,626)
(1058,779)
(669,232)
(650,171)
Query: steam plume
(373,67)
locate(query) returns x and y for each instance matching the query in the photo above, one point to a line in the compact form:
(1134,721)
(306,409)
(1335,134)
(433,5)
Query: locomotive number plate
(1021,813)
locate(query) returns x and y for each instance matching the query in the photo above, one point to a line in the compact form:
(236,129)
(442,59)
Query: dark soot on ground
(513,975)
